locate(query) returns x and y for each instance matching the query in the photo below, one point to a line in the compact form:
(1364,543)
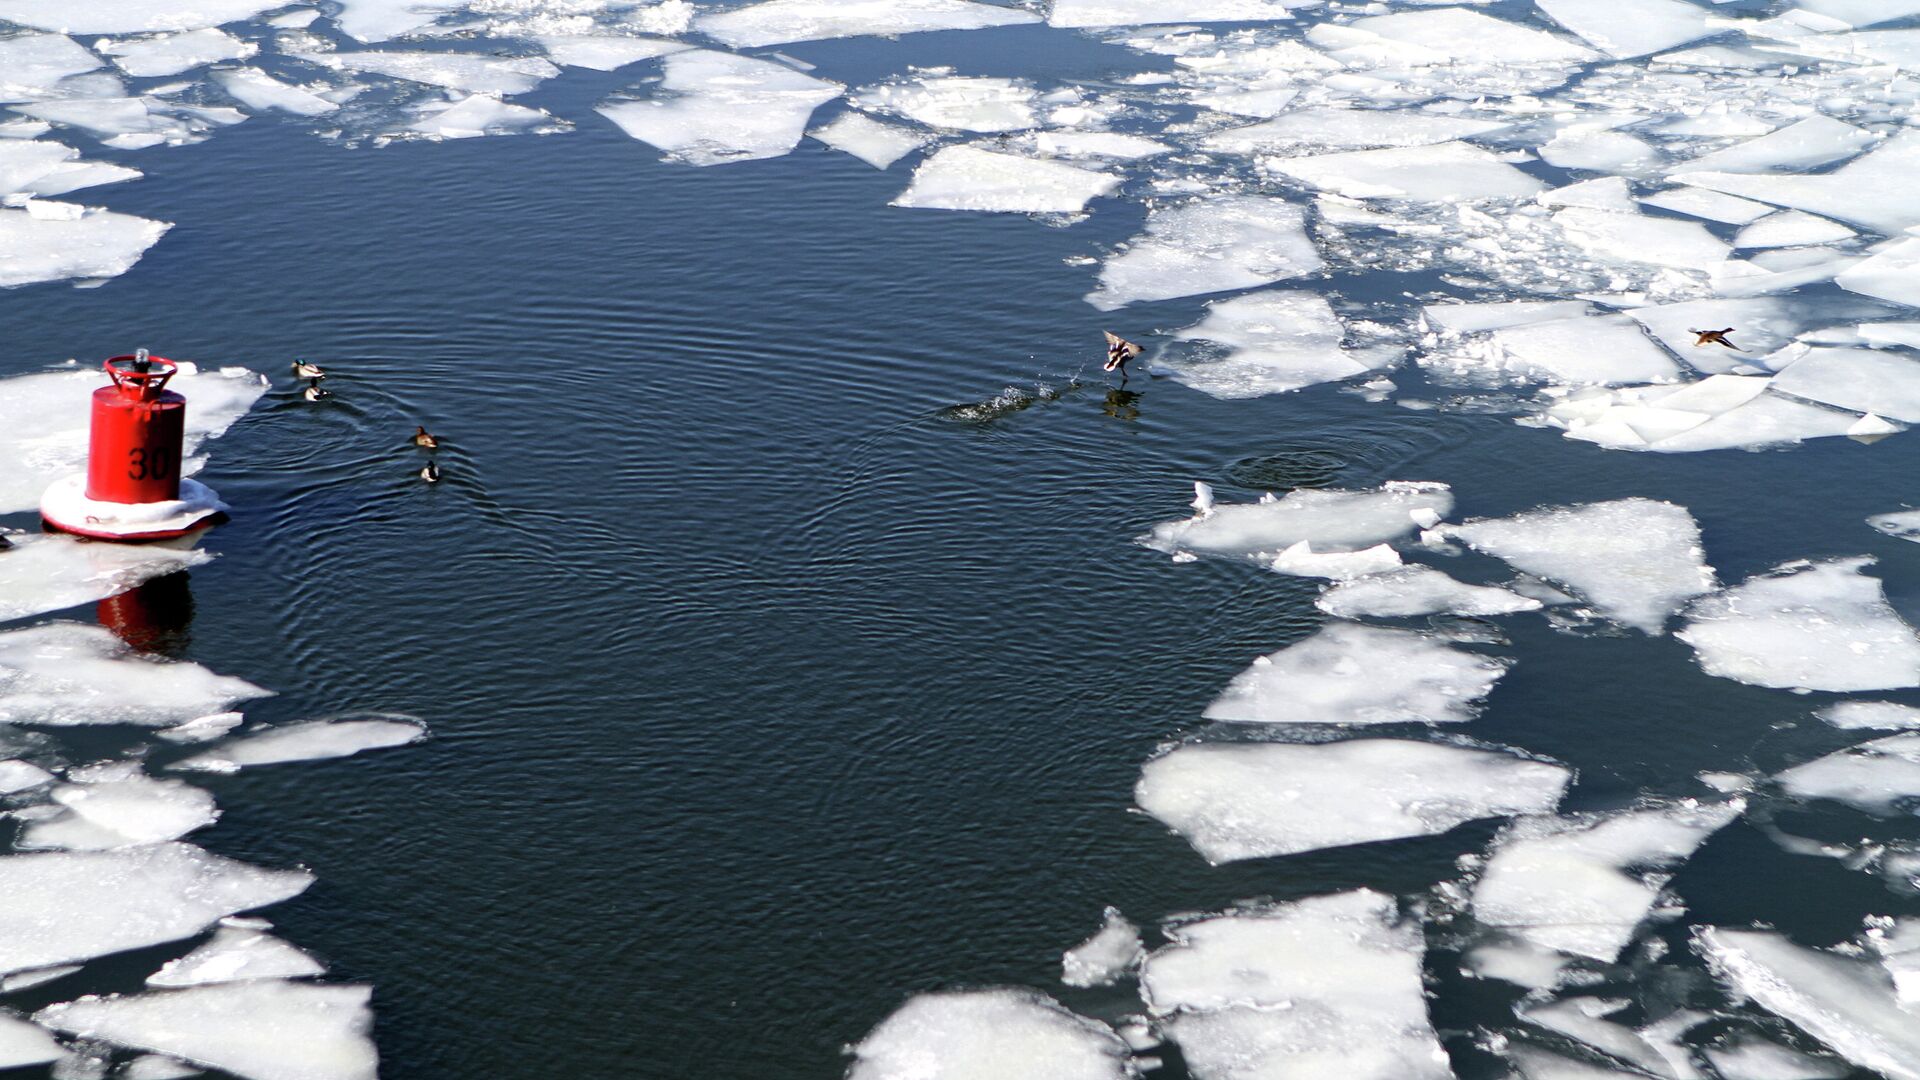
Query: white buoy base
(66,508)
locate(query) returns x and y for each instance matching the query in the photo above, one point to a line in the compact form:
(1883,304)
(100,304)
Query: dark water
(767,688)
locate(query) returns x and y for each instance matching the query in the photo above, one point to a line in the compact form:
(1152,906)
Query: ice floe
(1640,238)
(1711,205)
(263,1030)
(236,954)
(969,178)
(1327,986)
(32,65)
(1220,244)
(1442,172)
(1078,13)
(1106,957)
(777,22)
(475,73)
(1445,35)
(1236,801)
(1329,520)
(955,102)
(473,116)
(1885,715)
(1600,350)
(1791,228)
(1600,150)
(723,108)
(999,1034)
(311,740)
(47,572)
(1872,191)
(1797,147)
(1877,777)
(1721,412)
(17,775)
(1859,380)
(31,167)
(63,241)
(257,90)
(158,1067)
(1635,560)
(65,674)
(877,143)
(61,907)
(1582,884)
(1891,272)
(1746,1057)
(1629,28)
(130,16)
(1347,673)
(1904,524)
(605,52)
(116,806)
(1583,1020)
(1816,626)
(23,1044)
(1347,128)
(171,54)
(1418,590)
(1273,342)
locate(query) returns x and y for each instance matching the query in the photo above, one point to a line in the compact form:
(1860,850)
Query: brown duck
(424,438)
(1714,337)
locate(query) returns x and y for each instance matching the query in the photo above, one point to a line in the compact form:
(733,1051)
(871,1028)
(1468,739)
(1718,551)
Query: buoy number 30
(150,462)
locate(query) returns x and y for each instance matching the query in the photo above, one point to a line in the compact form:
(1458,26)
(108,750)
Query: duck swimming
(431,474)
(1119,351)
(308,371)
(313,392)
(424,438)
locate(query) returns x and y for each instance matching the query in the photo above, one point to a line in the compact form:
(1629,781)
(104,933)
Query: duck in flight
(304,370)
(424,439)
(1119,351)
(1714,337)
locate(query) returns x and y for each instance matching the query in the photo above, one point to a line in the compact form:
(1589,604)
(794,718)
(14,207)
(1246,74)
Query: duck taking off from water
(1119,351)
(431,474)
(314,392)
(305,370)
(424,439)
(1714,337)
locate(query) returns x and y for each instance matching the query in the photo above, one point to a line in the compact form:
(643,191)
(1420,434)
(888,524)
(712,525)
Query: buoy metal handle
(140,376)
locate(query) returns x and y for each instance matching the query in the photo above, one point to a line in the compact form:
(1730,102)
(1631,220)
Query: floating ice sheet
(1106,957)
(236,954)
(1445,35)
(1418,590)
(1584,1020)
(1627,28)
(1002,1034)
(65,674)
(1751,1058)
(1236,801)
(1602,350)
(64,241)
(1329,520)
(777,22)
(311,740)
(62,907)
(31,65)
(1327,986)
(264,1030)
(23,1044)
(1846,1003)
(1891,272)
(1821,626)
(1877,777)
(1711,205)
(1875,191)
(724,108)
(17,775)
(1885,715)
(1442,172)
(877,143)
(158,1067)
(969,178)
(1076,13)
(113,807)
(1636,560)
(476,73)
(1805,144)
(1473,318)
(130,16)
(1342,128)
(1639,238)
(1352,674)
(1582,884)
(171,54)
(474,116)
(1220,244)
(1275,342)
(1904,524)
(260,91)
(604,52)
(1860,380)
(47,572)
(383,20)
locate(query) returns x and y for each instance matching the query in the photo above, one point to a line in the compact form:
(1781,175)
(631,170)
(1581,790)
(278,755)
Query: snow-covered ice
(475,73)
(1584,1020)
(171,54)
(1874,191)
(1418,590)
(1818,626)
(116,806)
(1441,172)
(970,178)
(875,142)
(1635,560)
(32,65)
(777,22)
(130,16)
(236,954)
(1470,318)
(1347,673)
(1791,228)
(264,1030)
(1236,801)
(17,775)
(1348,129)
(474,116)
(1876,776)
(1601,350)
(1274,342)
(47,572)
(23,1044)
(723,108)
(1330,520)
(996,1034)
(260,91)
(941,99)
(63,674)
(1747,1057)
(1451,34)
(1078,13)
(1106,957)
(62,907)
(1859,380)
(310,740)
(1711,205)
(1219,244)
(1641,238)
(605,52)
(1629,28)
(1904,524)
(62,241)
(1595,149)
(1797,147)
(1884,715)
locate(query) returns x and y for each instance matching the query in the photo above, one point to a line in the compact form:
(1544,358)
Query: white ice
(969,178)
(1093,144)
(1275,342)
(1595,149)
(1220,244)
(1718,413)
(1329,520)
(1711,205)
(875,142)
(1442,172)
(130,16)
(1641,238)
(1884,715)
(157,1067)
(1322,987)
(1454,34)
(1582,884)
(236,954)
(1797,147)
(1886,334)
(1604,350)
(1346,129)
(61,241)
(260,91)
(1469,318)
(1747,1057)
(264,1030)
(65,674)
(1875,191)
(960,103)
(1890,272)
(62,907)
(1301,560)
(17,775)
(1847,1003)
(1876,776)
(1904,524)
(998,1034)
(1236,801)
(1859,380)
(310,740)
(1628,28)
(31,65)
(1600,193)
(383,20)
(1635,560)
(1762,324)
(476,73)
(117,807)
(474,116)
(1819,626)
(723,108)
(1584,1020)
(1418,590)
(23,1044)
(1076,13)
(777,22)
(1106,957)
(171,54)
(47,572)
(1347,673)
(1791,228)
(201,728)
(605,52)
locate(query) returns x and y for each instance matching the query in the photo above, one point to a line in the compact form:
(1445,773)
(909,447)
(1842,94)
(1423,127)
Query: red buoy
(132,489)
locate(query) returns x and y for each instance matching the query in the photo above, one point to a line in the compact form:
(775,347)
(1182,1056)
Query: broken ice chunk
(157,1067)
(23,1044)
(876,143)
(1601,350)
(1860,380)
(1791,228)
(1874,191)
(1583,1020)
(1301,560)
(1875,776)
(1106,957)
(1236,801)
(1628,28)
(1443,172)
(969,178)
(171,54)
(257,90)
(777,22)
(48,572)
(1452,34)
(1886,715)
(1276,342)
(1582,884)
(1214,245)
(476,73)
(1330,520)
(60,907)
(724,108)
(1763,325)
(236,954)
(1418,590)
(119,807)
(311,740)
(604,52)
(956,102)
(130,16)
(1077,13)
(1638,238)
(474,116)
(1636,560)
(201,728)
(1712,205)
(264,1030)
(90,244)
(1600,150)
(1891,272)
(1818,626)
(1602,193)
(32,64)
(1904,524)
(1473,318)
(17,775)
(65,674)
(1346,129)
(1748,1057)
(1799,146)
(1003,1033)
(1348,673)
